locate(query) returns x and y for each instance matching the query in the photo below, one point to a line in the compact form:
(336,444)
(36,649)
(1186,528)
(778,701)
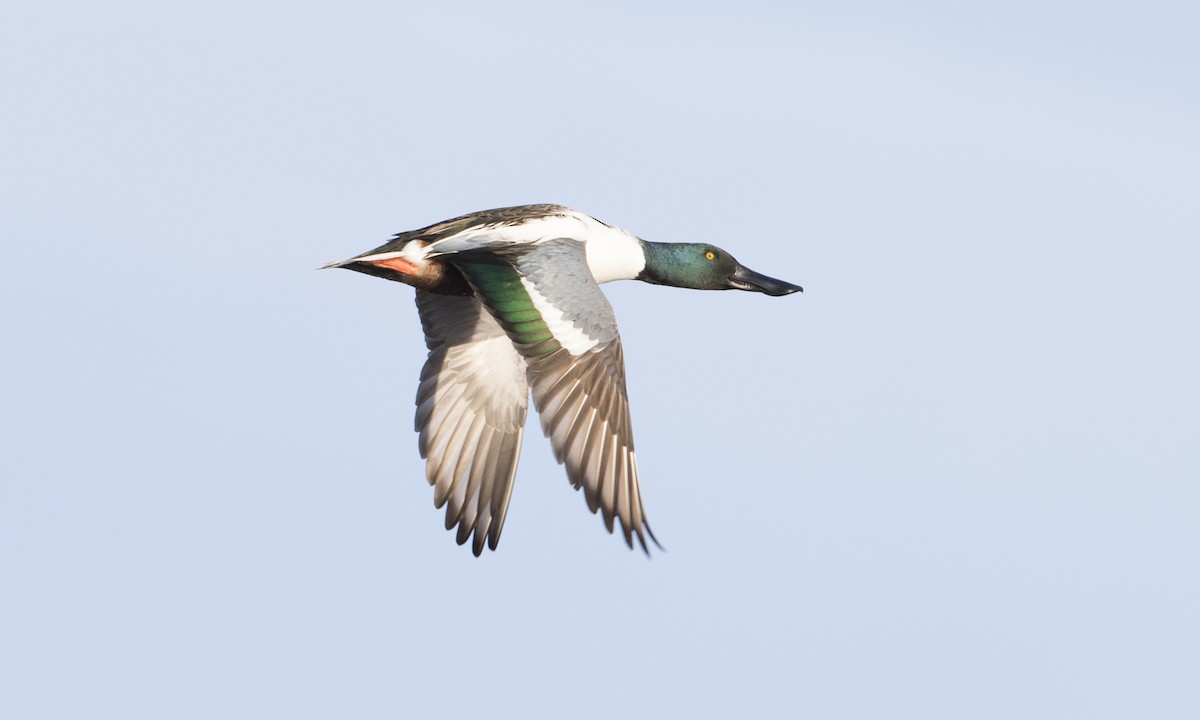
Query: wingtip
(653,539)
(642,540)
(640,533)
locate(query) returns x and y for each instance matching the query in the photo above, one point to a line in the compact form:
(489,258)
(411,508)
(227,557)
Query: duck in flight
(510,302)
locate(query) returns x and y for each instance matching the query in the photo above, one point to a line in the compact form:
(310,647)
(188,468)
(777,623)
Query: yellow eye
(710,255)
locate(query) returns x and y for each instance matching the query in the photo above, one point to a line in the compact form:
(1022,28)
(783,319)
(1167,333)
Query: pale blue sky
(957,478)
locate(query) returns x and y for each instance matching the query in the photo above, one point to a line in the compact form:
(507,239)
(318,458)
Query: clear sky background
(958,478)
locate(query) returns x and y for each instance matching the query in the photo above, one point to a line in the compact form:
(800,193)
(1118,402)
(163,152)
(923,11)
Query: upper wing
(545,298)
(471,407)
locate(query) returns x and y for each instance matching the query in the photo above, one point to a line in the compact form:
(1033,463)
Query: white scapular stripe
(612,253)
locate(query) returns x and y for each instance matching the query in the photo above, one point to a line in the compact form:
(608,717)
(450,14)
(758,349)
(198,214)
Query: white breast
(612,253)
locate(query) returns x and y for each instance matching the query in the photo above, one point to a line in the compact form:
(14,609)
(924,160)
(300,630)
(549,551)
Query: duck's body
(510,302)
(422,258)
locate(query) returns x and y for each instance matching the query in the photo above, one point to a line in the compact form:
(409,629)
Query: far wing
(471,407)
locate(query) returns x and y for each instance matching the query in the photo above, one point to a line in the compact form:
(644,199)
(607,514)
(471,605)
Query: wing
(471,407)
(547,301)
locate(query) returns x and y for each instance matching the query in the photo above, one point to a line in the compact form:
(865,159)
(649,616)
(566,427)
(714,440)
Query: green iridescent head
(705,267)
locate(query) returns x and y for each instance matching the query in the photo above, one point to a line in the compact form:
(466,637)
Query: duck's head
(705,267)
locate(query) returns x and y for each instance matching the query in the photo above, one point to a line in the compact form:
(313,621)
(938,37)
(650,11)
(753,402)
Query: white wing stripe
(574,339)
